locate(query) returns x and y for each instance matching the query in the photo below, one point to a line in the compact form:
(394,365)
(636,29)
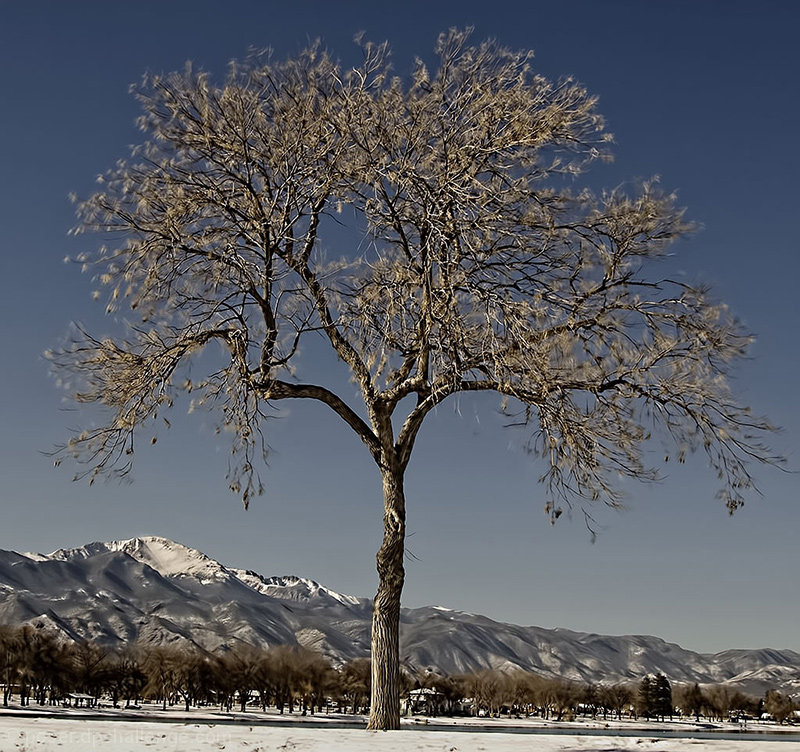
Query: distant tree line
(524,693)
(37,665)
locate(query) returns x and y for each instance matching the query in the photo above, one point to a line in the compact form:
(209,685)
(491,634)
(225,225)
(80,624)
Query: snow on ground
(40,734)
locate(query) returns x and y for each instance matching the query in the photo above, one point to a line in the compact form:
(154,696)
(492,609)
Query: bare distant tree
(91,661)
(163,667)
(189,674)
(778,705)
(126,676)
(620,698)
(474,265)
(316,678)
(354,682)
(51,663)
(486,688)
(286,665)
(718,699)
(564,697)
(265,680)
(690,699)
(9,658)
(241,665)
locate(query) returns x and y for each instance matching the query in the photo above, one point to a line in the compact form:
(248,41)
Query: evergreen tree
(662,696)
(644,699)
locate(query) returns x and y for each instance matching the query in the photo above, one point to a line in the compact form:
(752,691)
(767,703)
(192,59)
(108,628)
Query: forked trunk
(385,686)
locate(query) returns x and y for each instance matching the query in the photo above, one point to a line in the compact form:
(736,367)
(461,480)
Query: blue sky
(701,93)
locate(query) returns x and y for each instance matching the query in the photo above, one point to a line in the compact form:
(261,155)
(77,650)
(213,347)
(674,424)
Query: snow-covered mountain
(168,558)
(158,591)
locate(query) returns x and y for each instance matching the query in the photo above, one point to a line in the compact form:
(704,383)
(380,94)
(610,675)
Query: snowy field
(40,734)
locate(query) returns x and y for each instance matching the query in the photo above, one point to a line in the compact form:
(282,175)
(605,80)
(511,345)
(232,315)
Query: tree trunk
(385,686)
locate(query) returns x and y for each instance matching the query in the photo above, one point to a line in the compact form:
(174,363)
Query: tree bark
(385,686)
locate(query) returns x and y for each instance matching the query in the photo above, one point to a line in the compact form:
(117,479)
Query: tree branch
(279,390)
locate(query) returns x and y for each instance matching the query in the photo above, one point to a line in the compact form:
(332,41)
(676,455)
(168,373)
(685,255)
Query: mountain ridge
(156,590)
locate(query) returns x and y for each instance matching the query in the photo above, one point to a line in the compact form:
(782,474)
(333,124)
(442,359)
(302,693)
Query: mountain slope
(159,591)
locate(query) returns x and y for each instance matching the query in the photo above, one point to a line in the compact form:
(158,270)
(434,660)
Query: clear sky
(703,94)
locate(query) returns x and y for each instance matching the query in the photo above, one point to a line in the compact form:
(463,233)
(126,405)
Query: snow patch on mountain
(292,588)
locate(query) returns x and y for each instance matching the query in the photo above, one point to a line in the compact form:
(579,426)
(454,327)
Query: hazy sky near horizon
(703,94)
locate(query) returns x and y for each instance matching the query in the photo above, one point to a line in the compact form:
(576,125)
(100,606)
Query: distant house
(423,701)
(77,699)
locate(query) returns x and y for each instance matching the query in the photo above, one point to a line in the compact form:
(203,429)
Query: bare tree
(354,683)
(718,699)
(487,689)
(189,674)
(127,677)
(91,662)
(475,266)
(316,677)
(50,664)
(690,699)
(778,705)
(162,666)
(10,661)
(620,697)
(564,697)
(265,680)
(241,664)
